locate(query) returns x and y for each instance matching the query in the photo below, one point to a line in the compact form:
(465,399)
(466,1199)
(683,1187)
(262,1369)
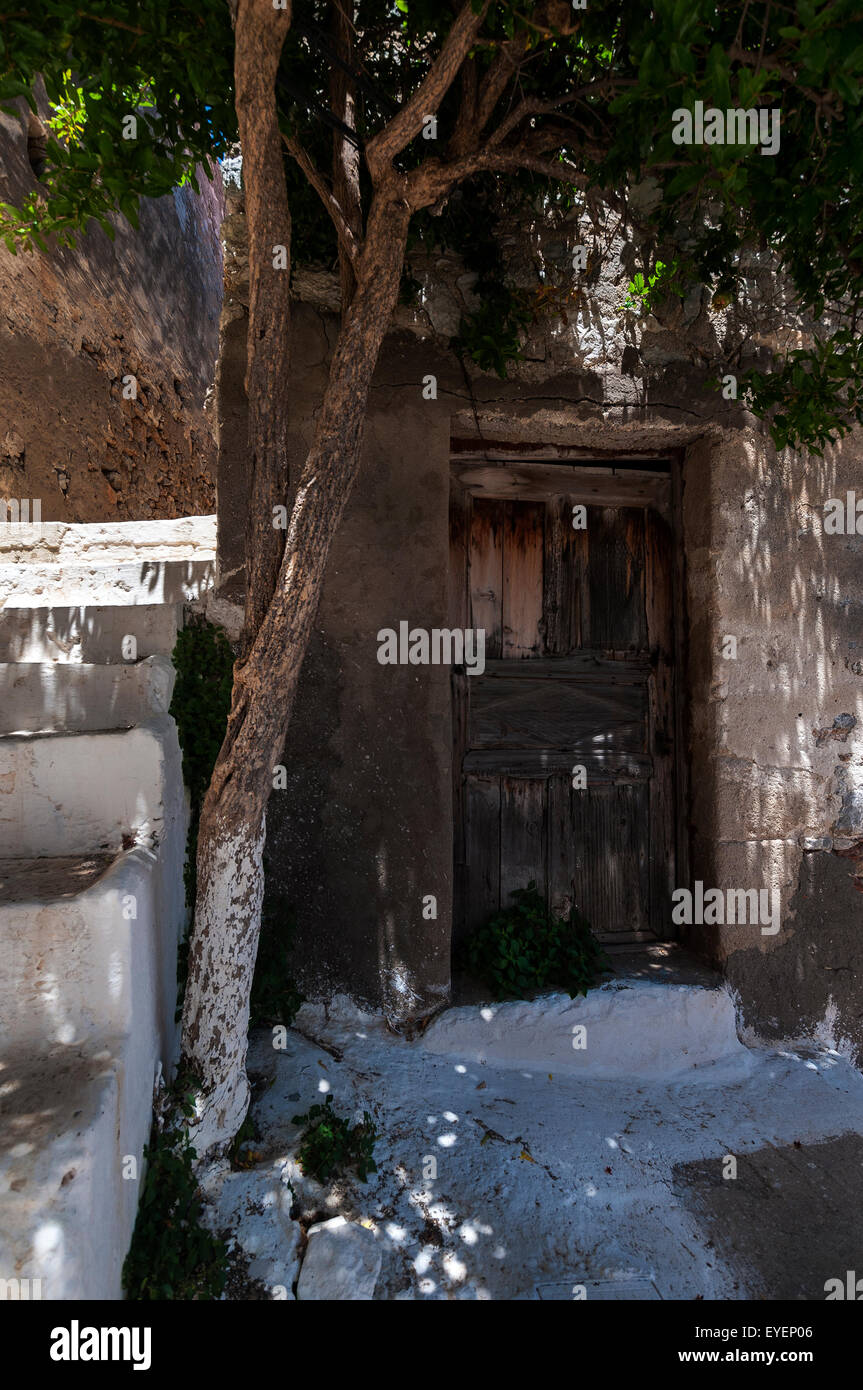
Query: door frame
(649,480)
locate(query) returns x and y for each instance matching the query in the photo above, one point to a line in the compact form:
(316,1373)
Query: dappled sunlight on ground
(517,1182)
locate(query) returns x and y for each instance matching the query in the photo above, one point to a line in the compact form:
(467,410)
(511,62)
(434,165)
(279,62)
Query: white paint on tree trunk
(227,923)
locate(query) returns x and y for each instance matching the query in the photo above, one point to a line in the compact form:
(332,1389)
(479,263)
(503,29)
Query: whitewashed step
(82,948)
(88,951)
(48,697)
(67,1212)
(624,1029)
(146,581)
(87,998)
(92,634)
(107,543)
(64,794)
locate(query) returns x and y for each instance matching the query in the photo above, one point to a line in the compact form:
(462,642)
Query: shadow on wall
(327,866)
(776,685)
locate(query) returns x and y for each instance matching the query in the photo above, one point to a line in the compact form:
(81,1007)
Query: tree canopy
(549,97)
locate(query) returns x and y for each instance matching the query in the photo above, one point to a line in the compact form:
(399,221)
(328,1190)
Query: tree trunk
(231,838)
(346,155)
(259,35)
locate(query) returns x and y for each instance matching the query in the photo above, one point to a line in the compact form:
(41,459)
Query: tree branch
(497,78)
(434,179)
(346,155)
(404,127)
(466,124)
(349,243)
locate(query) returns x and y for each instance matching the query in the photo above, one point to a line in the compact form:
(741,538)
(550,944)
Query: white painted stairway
(93,824)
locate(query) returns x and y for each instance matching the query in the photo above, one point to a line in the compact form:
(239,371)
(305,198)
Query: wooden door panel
(579,671)
(614,616)
(564,580)
(486,574)
(522,579)
(597,855)
(562,854)
(609,827)
(524,713)
(482,849)
(522,835)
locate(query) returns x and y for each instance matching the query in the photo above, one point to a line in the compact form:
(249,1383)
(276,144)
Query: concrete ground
(514,1163)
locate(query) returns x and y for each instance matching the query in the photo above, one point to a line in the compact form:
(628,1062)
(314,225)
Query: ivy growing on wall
(204,661)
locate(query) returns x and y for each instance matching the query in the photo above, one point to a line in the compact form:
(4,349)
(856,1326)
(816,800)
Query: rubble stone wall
(74,322)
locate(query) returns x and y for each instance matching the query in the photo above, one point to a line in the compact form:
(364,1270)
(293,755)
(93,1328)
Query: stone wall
(75,322)
(774,747)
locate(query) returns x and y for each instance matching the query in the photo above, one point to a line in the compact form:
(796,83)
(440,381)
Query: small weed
(330,1144)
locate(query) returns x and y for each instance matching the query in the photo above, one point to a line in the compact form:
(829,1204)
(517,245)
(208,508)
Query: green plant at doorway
(526,947)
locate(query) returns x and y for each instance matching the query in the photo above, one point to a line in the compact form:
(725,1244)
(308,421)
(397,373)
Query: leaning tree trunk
(230,846)
(231,836)
(259,35)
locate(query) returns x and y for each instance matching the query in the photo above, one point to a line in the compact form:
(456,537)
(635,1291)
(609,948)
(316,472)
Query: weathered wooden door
(564,746)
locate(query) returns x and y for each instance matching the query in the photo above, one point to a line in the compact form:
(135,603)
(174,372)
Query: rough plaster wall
(777,752)
(363,831)
(758,567)
(74,322)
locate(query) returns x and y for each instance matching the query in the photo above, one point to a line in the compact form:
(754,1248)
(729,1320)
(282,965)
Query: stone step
(66,794)
(67,1212)
(146,581)
(88,960)
(87,1000)
(83,945)
(631,1028)
(79,1117)
(92,634)
(108,543)
(41,697)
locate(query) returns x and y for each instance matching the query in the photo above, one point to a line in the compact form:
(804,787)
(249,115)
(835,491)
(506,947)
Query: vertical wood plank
(580,582)
(522,835)
(611,884)
(460,721)
(660,701)
(482,849)
(561,843)
(459,535)
(522,578)
(564,568)
(616,580)
(486,573)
